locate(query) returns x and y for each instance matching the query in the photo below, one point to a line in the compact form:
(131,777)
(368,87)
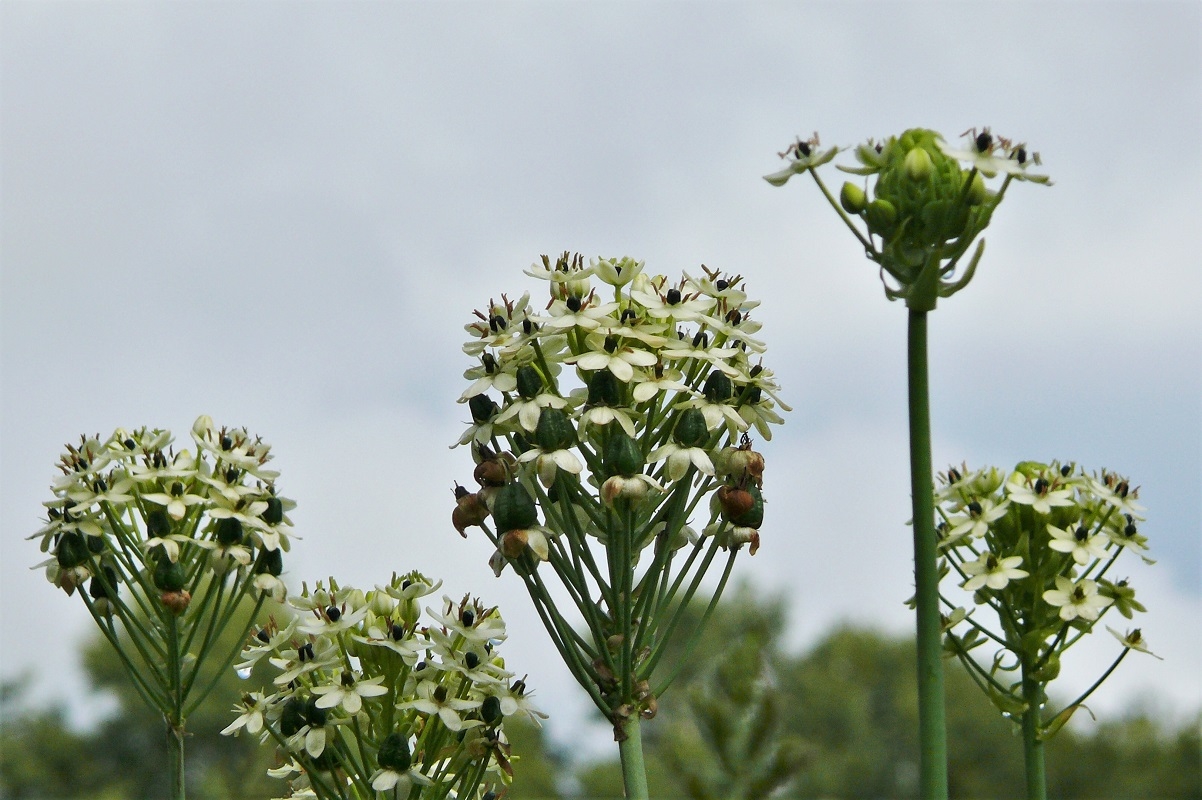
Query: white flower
(253,706)
(1078,542)
(603,415)
(680,458)
(980,155)
(671,303)
(1076,600)
(804,156)
(576,312)
(618,359)
(975,523)
(1039,494)
(616,271)
(1133,640)
(528,411)
(548,463)
(433,699)
(992,572)
(348,692)
(177,499)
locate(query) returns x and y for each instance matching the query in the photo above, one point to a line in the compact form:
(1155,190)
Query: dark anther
(699,340)
(1020,155)
(1041,486)
(397,632)
(231,475)
(130,444)
(263,636)
(305,652)
(471,660)
(1066,470)
(497,322)
(611,344)
(348,679)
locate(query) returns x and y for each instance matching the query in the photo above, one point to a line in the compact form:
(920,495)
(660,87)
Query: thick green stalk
(1037,782)
(932,731)
(630,748)
(175,750)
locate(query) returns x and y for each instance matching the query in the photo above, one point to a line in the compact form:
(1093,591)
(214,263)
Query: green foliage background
(744,720)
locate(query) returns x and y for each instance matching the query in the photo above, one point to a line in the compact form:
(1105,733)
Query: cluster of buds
(928,204)
(370,697)
(1037,547)
(130,511)
(599,424)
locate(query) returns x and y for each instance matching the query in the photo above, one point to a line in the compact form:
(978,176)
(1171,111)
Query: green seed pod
(271,562)
(622,454)
(555,430)
(168,575)
(852,198)
(314,714)
(513,508)
(98,588)
(394,752)
(292,719)
(530,383)
(274,513)
(718,388)
(754,516)
(158,523)
(229,531)
(604,389)
(490,710)
(482,407)
(691,430)
(72,550)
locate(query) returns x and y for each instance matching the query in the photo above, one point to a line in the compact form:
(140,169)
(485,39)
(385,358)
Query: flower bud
(881,216)
(918,164)
(513,508)
(852,198)
(621,487)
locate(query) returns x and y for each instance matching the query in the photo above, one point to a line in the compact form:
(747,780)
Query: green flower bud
(691,430)
(918,164)
(881,216)
(852,198)
(101,585)
(555,431)
(513,508)
(394,752)
(292,719)
(622,454)
(168,575)
(604,389)
(158,524)
(270,562)
(530,383)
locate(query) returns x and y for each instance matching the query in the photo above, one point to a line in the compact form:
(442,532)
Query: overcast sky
(281,215)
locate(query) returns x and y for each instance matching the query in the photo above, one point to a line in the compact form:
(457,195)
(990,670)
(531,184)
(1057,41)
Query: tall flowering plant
(166,549)
(608,428)
(1034,550)
(921,209)
(370,702)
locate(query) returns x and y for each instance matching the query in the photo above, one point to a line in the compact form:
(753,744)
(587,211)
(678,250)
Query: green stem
(175,748)
(630,748)
(931,715)
(1033,756)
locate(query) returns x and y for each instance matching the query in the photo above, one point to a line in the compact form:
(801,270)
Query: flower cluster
(1037,547)
(926,209)
(129,510)
(668,375)
(614,411)
(369,699)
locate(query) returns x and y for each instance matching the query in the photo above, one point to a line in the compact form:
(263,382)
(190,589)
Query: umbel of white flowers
(368,697)
(599,424)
